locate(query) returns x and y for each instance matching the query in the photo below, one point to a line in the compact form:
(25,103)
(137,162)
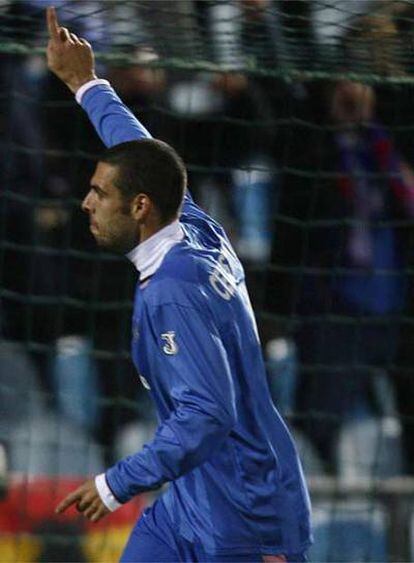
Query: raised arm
(72,60)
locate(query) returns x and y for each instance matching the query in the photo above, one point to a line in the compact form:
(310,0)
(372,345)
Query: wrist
(87,86)
(77,82)
(105,493)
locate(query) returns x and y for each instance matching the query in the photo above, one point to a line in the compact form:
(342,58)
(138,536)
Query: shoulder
(195,278)
(200,226)
(178,280)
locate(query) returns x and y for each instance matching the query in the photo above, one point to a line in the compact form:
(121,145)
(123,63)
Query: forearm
(112,120)
(72,60)
(181,443)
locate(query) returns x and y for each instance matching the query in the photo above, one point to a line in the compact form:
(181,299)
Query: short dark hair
(151,167)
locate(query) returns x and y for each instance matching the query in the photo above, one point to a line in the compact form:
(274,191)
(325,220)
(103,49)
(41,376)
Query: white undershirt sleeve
(107,496)
(83,89)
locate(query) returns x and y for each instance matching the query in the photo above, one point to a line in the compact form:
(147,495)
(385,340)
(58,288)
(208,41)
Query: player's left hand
(87,501)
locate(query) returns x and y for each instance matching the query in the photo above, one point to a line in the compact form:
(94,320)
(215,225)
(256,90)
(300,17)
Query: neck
(148,255)
(151,226)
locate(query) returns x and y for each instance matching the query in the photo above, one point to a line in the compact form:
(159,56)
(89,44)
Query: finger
(52,22)
(84,42)
(85,502)
(92,509)
(64,35)
(68,501)
(74,37)
(100,513)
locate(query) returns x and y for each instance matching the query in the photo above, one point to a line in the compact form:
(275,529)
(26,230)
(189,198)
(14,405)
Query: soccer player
(237,491)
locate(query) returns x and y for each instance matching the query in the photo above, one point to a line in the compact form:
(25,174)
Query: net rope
(241,90)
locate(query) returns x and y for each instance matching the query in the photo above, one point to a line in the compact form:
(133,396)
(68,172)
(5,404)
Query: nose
(86,204)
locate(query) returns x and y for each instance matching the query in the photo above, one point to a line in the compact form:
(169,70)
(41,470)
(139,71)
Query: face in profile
(110,218)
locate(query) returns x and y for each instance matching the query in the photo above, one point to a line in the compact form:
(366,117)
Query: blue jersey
(236,483)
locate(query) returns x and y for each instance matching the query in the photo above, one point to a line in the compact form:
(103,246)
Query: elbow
(223,420)
(230,421)
(211,423)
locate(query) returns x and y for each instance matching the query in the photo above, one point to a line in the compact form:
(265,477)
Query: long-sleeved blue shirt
(236,484)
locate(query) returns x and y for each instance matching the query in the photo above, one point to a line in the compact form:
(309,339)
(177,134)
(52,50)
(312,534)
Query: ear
(141,206)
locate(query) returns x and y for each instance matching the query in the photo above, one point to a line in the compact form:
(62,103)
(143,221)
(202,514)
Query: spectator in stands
(351,287)
(219,126)
(332,19)
(38,219)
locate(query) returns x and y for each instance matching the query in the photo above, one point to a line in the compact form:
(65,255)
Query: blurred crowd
(313,180)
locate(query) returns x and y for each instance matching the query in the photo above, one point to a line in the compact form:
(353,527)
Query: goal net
(295,119)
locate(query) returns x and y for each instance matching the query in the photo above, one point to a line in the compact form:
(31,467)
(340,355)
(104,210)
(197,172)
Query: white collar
(148,255)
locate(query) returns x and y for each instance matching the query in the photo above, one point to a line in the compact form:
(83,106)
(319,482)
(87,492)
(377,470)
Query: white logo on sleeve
(170,347)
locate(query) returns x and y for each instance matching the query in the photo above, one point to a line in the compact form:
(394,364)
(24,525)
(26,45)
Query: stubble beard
(117,244)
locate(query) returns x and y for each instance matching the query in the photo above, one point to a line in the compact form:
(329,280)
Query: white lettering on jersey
(171,346)
(222,280)
(144,382)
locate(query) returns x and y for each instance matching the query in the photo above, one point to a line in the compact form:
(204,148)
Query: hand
(68,56)
(87,501)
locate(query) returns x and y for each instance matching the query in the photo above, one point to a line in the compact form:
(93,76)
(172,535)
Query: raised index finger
(52,22)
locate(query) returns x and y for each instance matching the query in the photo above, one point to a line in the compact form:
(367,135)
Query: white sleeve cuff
(83,89)
(105,493)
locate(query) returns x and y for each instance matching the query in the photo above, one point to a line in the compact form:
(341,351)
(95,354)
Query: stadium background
(246,92)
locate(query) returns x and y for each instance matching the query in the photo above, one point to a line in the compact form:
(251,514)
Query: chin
(112,246)
(117,245)
(104,244)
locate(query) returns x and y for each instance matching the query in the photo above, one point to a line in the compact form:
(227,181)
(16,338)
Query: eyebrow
(98,189)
